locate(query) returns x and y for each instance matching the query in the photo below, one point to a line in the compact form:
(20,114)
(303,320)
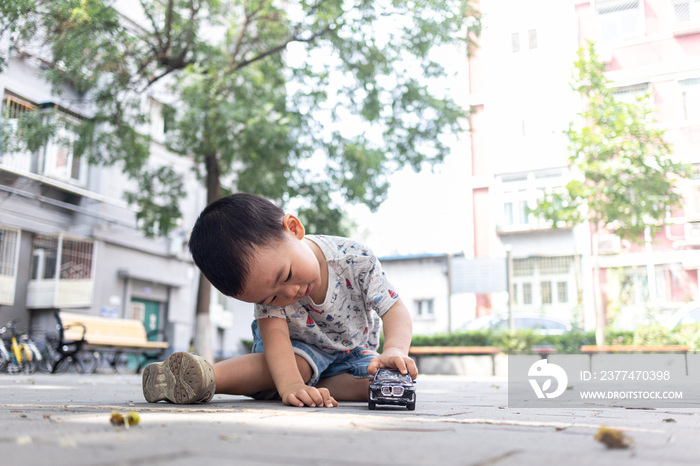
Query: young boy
(318,302)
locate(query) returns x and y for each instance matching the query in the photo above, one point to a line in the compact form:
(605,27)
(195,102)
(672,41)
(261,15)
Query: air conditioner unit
(609,244)
(692,232)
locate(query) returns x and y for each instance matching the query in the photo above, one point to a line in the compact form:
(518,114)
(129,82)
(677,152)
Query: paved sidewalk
(64,420)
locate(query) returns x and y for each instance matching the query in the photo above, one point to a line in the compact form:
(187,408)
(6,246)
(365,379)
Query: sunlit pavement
(65,419)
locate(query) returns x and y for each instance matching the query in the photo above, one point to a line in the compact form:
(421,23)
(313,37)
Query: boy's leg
(345,387)
(186,378)
(249,374)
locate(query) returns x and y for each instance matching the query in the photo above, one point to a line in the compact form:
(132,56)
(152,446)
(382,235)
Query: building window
(686,11)
(12,154)
(634,285)
(546,290)
(63,257)
(61,273)
(692,194)
(521,193)
(62,161)
(515,213)
(633,94)
(9,254)
(424,309)
(529,35)
(619,20)
(527,294)
(58,158)
(563,292)
(540,282)
(532,38)
(162,119)
(515,42)
(690,98)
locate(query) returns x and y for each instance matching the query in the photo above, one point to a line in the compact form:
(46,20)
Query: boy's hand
(393,358)
(304,395)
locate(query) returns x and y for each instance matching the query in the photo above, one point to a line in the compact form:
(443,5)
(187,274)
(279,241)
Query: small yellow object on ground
(130,419)
(613,438)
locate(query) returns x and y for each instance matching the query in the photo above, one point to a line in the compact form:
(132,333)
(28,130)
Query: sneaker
(183,378)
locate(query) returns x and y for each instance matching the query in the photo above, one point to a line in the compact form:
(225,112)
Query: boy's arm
(282,365)
(398,330)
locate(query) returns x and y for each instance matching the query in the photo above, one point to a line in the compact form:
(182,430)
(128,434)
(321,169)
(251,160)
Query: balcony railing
(57,159)
(62,273)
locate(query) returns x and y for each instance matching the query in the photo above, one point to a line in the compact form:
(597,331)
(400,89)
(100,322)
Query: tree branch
(169,25)
(280,47)
(249,15)
(156,31)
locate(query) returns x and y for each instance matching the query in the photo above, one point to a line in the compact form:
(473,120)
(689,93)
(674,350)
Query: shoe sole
(182,378)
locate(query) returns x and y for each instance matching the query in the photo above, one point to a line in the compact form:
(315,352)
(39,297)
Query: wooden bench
(635,349)
(417,351)
(597,349)
(79,332)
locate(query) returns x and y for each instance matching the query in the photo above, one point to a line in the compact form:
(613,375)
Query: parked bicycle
(55,361)
(22,355)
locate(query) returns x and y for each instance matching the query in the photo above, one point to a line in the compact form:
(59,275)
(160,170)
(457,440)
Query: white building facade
(69,241)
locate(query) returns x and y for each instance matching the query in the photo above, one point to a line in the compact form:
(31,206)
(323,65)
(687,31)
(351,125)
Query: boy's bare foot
(183,378)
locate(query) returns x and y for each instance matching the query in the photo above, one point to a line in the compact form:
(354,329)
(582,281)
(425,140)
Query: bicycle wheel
(4,357)
(45,364)
(89,361)
(29,363)
(61,366)
(36,354)
(126,363)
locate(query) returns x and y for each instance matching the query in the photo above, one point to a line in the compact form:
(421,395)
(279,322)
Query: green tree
(624,176)
(313,132)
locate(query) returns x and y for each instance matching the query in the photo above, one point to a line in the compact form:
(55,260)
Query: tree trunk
(600,317)
(202,325)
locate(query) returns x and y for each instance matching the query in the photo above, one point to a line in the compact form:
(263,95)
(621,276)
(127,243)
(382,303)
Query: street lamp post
(509,285)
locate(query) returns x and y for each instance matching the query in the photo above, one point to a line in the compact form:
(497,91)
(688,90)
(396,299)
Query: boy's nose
(291,291)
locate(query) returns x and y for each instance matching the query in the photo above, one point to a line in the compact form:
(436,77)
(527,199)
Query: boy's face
(285,271)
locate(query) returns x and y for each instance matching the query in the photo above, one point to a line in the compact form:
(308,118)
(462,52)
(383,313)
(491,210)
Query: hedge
(522,341)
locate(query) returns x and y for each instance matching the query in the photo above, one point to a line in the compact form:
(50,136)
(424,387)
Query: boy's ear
(293,225)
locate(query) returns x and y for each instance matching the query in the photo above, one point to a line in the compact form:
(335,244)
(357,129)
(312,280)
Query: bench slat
(455,350)
(107,341)
(634,348)
(104,331)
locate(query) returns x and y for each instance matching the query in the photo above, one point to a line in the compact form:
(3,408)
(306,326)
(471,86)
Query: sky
(425,212)
(430,211)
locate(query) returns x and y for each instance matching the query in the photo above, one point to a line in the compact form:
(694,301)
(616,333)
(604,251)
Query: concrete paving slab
(64,419)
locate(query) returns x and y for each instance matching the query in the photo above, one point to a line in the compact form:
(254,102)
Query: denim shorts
(353,362)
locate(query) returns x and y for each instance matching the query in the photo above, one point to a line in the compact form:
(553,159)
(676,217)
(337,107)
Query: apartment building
(69,241)
(521,102)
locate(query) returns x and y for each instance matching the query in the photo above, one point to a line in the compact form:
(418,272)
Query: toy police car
(390,387)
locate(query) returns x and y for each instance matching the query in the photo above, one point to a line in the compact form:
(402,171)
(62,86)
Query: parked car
(689,313)
(539,324)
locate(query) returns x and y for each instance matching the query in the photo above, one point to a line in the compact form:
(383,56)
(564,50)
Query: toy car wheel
(411,406)
(372,405)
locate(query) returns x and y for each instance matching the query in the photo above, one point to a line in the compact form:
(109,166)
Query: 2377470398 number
(620,375)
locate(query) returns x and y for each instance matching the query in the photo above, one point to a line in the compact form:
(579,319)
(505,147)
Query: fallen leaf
(117,419)
(613,438)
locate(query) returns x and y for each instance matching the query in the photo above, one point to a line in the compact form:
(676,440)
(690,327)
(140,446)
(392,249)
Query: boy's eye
(289,276)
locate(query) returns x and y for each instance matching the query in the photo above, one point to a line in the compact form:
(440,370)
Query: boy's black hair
(225,235)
